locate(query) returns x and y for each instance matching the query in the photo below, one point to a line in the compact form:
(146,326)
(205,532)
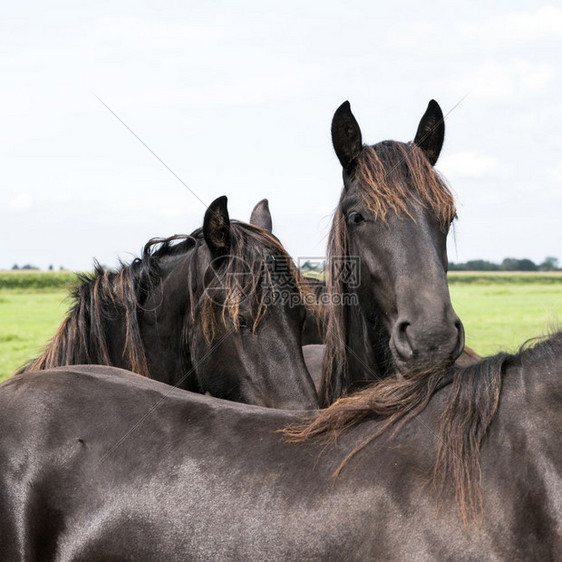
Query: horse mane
(104,295)
(101,296)
(258,268)
(469,411)
(390,175)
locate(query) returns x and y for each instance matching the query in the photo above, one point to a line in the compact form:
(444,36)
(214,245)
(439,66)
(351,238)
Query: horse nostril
(460,339)
(402,342)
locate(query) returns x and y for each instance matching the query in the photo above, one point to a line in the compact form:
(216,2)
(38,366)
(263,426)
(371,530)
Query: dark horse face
(394,216)
(237,300)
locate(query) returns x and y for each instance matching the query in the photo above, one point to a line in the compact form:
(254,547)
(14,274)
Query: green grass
(502,316)
(504,277)
(500,311)
(27,321)
(25,280)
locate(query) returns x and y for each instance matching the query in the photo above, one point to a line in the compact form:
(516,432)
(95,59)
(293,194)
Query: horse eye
(355,218)
(242,322)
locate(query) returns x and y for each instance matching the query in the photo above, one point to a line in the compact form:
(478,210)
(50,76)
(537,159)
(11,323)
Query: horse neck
(349,359)
(368,352)
(167,321)
(101,328)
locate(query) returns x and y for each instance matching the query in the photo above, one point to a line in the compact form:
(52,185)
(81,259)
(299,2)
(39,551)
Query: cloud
(133,32)
(502,31)
(469,164)
(555,176)
(21,202)
(493,81)
(516,27)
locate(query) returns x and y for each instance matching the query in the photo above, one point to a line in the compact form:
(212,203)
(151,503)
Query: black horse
(387,292)
(197,312)
(97,463)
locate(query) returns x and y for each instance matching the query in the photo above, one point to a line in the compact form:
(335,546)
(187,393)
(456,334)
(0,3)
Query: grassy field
(502,310)
(500,317)
(27,321)
(499,310)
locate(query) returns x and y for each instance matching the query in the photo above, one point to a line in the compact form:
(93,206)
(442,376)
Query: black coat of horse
(388,300)
(98,463)
(197,312)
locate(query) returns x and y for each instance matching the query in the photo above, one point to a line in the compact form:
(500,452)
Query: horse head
(387,249)
(239,304)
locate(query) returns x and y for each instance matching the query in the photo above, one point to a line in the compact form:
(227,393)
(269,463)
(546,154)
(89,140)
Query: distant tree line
(508,264)
(29,267)
(550,263)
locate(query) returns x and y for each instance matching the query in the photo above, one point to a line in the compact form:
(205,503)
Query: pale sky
(237,99)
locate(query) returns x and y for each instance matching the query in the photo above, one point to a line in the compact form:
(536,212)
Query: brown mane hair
(105,295)
(469,410)
(471,406)
(257,267)
(390,175)
(99,297)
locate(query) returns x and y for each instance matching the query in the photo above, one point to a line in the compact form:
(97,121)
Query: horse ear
(261,216)
(346,135)
(216,227)
(431,132)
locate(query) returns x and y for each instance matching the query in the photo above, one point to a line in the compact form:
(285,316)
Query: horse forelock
(390,175)
(255,269)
